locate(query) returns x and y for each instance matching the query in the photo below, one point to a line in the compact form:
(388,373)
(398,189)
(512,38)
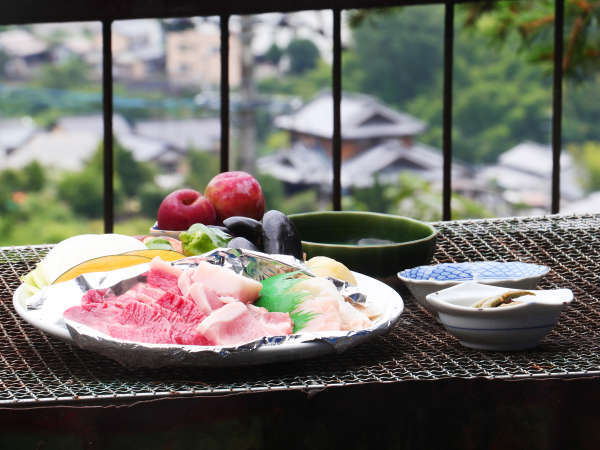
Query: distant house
(378,143)
(301,166)
(200,134)
(57,149)
(138,49)
(193,57)
(25,52)
(365,123)
(524,175)
(144,149)
(13,134)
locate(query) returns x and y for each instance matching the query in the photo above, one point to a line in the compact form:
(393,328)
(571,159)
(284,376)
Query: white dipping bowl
(424,280)
(518,326)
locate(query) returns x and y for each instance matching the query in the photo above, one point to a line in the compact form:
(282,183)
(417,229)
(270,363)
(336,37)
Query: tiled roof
(362,117)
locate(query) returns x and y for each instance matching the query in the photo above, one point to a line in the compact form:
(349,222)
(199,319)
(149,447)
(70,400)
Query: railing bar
(559,13)
(336,80)
(447,110)
(224,22)
(107,110)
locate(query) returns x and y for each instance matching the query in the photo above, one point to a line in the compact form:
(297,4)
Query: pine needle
(278,295)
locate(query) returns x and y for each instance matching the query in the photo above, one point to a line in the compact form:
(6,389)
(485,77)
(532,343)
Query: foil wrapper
(54,300)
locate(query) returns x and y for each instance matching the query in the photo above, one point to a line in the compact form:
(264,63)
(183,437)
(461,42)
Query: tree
(131,174)
(532,23)
(273,54)
(303,55)
(4,58)
(71,74)
(587,157)
(499,99)
(398,52)
(202,167)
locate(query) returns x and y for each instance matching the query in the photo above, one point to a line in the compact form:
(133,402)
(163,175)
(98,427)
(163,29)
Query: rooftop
(362,117)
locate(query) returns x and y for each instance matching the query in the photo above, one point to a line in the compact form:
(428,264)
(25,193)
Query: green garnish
(200,239)
(278,295)
(158,244)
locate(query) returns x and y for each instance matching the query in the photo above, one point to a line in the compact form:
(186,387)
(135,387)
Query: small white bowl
(517,326)
(424,280)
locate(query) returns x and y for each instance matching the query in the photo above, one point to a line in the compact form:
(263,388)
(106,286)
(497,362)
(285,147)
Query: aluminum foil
(57,298)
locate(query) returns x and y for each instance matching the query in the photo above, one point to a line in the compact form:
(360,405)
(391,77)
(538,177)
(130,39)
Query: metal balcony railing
(35,11)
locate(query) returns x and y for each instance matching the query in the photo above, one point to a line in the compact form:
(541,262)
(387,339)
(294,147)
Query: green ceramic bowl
(335,233)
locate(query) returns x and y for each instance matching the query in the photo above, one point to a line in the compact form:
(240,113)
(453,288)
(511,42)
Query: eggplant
(240,242)
(245,227)
(280,235)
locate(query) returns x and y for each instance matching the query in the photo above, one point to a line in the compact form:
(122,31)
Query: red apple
(183,208)
(235,194)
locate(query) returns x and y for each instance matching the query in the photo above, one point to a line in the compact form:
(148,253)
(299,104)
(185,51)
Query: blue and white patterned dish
(424,280)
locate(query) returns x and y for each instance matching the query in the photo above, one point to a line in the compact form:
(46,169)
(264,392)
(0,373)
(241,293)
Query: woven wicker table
(38,369)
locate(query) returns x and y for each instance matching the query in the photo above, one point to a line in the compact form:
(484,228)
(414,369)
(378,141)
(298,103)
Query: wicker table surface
(39,369)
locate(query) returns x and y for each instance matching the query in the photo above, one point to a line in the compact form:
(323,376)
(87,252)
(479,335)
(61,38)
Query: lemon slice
(323,266)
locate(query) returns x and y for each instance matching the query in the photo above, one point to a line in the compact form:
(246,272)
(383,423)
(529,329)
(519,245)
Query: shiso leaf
(278,295)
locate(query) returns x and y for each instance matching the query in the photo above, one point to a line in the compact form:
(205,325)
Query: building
(25,52)
(378,144)
(193,57)
(185,134)
(523,175)
(14,133)
(365,123)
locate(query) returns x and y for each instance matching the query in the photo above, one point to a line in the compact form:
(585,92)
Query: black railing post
(447,111)
(336,80)
(107,109)
(559,13)
(224,22)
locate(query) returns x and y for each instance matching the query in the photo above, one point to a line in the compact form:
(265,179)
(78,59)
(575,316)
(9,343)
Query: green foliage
(587,157)
(414,197)
(303,55)
(131,174)
(70,74)
(398,53)
(499,100)
(532,25)
(4,58)
(276,141)
(41,219)
(150,197)
(34,177)
(306,86)
(84,192)
(273,54)
(202,167)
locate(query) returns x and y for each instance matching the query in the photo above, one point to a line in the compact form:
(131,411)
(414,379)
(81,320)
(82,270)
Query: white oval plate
(158,355)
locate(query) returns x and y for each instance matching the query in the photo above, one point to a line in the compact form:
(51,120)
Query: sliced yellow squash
(102,264)
(165,255)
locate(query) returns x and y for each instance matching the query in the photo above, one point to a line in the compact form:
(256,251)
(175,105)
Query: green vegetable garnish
(200,239)
(34,281)
(278,295)
(158,244)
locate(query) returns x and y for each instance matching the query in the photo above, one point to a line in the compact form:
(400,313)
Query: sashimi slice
(205,299)
(322,303)
(236,324)
(226,283)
